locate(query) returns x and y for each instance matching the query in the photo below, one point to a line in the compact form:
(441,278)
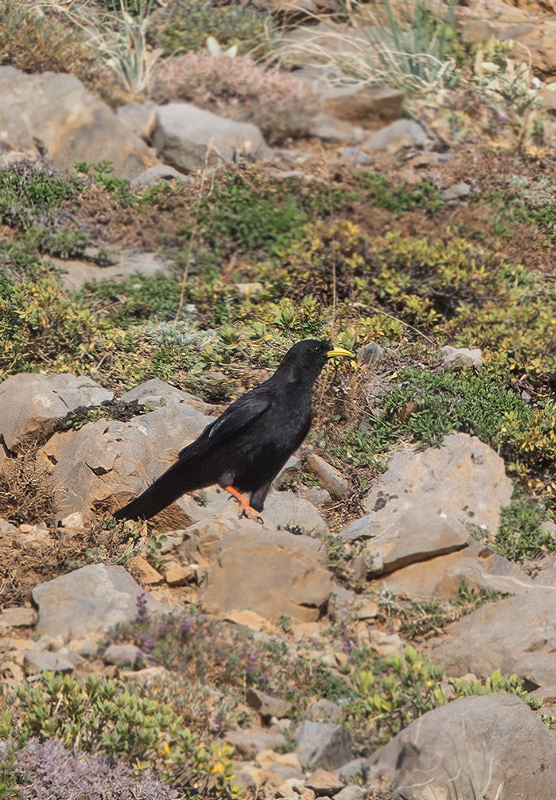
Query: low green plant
(400,198)
(394,692)
(429,404)
(104,717)
(188,26)
(10,786)
(520,536)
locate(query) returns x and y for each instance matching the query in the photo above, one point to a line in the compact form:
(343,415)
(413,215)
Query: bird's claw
(248,513)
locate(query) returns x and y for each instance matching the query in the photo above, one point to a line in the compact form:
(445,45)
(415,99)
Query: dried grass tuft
(237,88)
(26,494)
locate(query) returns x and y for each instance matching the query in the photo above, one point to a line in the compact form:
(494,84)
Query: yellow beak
(339,352)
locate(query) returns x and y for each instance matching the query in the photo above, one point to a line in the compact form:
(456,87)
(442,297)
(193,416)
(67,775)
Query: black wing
(237,417)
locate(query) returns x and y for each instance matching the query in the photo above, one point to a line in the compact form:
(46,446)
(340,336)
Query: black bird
(245,448)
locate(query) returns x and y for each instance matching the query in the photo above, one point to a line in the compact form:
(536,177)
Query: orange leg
(245,508)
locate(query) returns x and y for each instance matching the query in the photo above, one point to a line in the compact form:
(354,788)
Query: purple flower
(147,643)
(141,603)
(348,646)
(502,117)
(162,630)
(186,627)
(264,680)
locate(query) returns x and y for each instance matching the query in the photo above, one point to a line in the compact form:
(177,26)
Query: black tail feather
(171,485)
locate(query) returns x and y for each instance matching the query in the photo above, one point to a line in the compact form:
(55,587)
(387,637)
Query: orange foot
(245,509)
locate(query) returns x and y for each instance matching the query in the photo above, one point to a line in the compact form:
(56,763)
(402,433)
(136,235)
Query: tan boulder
(272,574)
(72,124)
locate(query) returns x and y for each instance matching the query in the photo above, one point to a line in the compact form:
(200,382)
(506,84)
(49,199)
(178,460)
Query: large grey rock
(89,600)
(30,402)
(281,510)
(324,744)
(187,137)
(399,134)
(464,477)
(73,124)
(107,462)
(414,535)
(156,393)
(271,573)
(490,747)
(515,635)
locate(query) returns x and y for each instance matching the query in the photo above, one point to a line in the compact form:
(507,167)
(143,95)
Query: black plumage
(245,448)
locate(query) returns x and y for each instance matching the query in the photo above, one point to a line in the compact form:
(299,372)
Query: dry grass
(25,563)
(239,89)
(25,492)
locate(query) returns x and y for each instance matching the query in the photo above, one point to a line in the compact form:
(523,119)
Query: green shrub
(104,717)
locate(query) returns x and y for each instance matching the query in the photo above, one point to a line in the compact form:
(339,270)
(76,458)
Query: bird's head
(305,360)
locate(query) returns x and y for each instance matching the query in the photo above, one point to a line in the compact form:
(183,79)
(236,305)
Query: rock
(43,661)
(73,522)
(330,129)
(535,36)
(329,477)
(122,654)
(251,741)
(279,575)
(365,608)
(139,119)
(157,394)
(266,704)
(464,476)
(351,793)
(249,289)
(441,577)
(148,575)
(317,497)
(487,746)
(323,782)
(281,509)
(414,535)
(292,465)
(385,644)
(72,124)
(252,621)
(268,759)
(188,138)
(365,528)
(286,509)
(323,710)
(88,600)
(76,272)
(33,403)
(514,635)
(179,576)
(455,358)
(370,353)
(355,156)
(402,133)
(368,105)
(160,173)
(323,743)
(17,618)
(107,462)
(456,192)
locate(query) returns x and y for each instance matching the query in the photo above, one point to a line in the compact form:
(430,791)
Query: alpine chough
(245,448)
